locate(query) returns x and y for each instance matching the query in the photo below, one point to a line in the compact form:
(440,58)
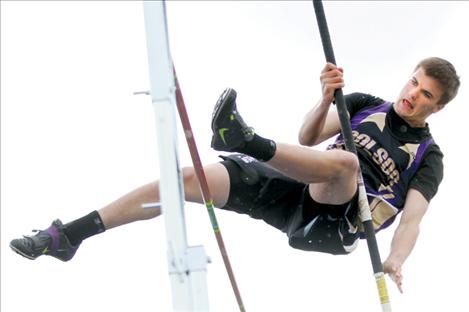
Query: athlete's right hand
(395,272)
(332,78)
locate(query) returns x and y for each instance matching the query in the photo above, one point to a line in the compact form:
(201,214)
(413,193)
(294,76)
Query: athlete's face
(419,99)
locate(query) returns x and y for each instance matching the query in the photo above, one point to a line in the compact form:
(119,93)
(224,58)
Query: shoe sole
(22,253)
(220,105)
(34,258)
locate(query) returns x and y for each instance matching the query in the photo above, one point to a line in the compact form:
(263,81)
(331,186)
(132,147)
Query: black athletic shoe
(52,242)
(348,227)
(230,132)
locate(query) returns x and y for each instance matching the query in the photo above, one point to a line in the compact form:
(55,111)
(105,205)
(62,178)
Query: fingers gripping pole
(207,197)
(365,214)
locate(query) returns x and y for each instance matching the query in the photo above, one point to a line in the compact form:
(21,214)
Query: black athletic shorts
(262,192)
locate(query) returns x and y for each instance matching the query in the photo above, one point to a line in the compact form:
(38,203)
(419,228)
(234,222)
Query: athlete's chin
(401,111)
(404,110)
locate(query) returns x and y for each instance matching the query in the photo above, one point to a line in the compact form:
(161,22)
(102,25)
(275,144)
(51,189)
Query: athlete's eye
(428,95)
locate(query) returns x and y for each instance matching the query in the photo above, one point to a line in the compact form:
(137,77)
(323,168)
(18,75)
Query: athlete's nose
(413,93)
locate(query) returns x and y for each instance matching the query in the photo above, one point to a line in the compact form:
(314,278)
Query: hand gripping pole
(365,214)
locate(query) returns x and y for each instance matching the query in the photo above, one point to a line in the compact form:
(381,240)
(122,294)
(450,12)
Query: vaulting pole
(365,214)
(207,196)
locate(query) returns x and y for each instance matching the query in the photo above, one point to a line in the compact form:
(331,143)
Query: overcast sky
(74,138)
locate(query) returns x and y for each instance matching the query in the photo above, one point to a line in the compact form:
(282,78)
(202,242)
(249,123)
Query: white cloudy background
(73,138)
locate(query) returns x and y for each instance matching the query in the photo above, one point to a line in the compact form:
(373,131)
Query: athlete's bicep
(331,125)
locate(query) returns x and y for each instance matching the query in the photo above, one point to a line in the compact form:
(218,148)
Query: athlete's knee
(217,179)
(191,185)
(345,163)
(189,178)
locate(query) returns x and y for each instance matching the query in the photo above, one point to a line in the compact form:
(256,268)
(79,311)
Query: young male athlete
(308,194)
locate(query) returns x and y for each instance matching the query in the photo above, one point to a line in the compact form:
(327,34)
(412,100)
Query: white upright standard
(187,265)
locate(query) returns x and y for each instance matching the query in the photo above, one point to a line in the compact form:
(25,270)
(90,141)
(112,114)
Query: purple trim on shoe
(53,231)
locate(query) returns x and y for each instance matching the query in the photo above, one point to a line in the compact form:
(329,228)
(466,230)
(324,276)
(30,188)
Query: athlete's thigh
(334,192)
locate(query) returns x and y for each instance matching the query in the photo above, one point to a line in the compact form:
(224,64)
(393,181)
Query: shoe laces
(31,238)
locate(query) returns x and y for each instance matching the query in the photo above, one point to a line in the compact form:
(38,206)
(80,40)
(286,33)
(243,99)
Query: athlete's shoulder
(357,101)
(435,150)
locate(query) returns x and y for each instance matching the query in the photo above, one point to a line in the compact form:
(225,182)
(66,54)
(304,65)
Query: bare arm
(406,234)
(319,124)
(322,122)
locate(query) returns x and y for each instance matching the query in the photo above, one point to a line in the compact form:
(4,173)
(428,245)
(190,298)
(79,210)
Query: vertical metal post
(187,265)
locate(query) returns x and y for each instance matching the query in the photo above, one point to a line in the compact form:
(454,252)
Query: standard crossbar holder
(195,261)
(151,205)
(186,265)
(147,92)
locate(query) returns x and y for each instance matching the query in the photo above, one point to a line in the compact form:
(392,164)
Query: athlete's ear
(438,108)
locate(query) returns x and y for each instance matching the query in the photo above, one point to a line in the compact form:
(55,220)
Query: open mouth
(407,104)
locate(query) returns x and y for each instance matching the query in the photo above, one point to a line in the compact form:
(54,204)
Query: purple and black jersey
(393,156)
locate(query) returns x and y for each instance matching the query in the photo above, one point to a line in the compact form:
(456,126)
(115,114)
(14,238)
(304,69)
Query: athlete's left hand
(395,272)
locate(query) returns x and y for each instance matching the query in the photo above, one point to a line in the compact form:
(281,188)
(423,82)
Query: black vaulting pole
(365,214)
